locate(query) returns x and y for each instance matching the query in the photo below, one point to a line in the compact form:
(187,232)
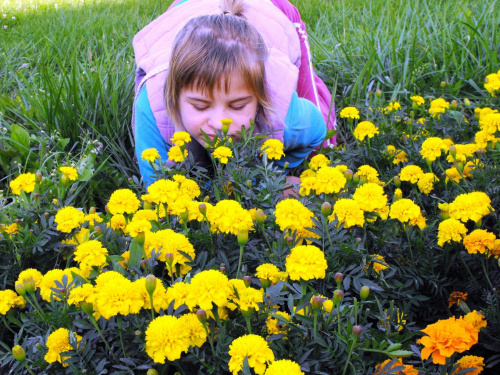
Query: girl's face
(199,112)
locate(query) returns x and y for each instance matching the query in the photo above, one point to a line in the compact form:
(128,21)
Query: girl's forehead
(226,84)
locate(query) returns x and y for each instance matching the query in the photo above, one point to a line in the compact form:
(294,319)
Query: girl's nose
(215,116)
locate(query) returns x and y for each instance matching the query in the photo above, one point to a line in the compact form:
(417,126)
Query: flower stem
(315,323)
(152,307)
(249,326)
(121,335)
(92,319)
(349,355)
(239,262)
(28,368)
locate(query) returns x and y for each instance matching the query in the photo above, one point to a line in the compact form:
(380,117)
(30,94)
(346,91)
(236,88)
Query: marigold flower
(69,218)
(438,106)
(267,271)
(118,222)
(348,212)
(211,287)
(411,173)
(69,172)
(91,254)
(57,343)
(291,214)
(164,191)
(431,148)
(492,84)
(273,149)
(379,263)
(480,241)
(275,326)
(140,226)
(456,298)
(49,282)
(9,229)
(166,338)
(329,180)
(284,366)
(469,362)
(176,154)
(483,138)
(451,230)
(400,156)
(252,347)
(227,216)
(82,293)
(30,273)
(365,129)
(318,161)
(471,206)
(196,333)
(150,154)
(370,197)
(25,181)
(446,337)
(407,369)
(349,113)
(477,319)
(307,182)
(10,299)
(417,100)
(393,106)
(306,262)
(160,301)
(180,138)
(223,153)
(490,122)
(187,186)
(426,183)
(182,294)
(369,173)
(404,210)
(249,298)
(123,201)
(462,152)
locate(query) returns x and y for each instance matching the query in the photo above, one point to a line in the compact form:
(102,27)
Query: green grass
(71,69)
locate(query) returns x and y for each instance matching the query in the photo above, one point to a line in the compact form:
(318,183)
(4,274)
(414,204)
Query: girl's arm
(304,130)
(147,135)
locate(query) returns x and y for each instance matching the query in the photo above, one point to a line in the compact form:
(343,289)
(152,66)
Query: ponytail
(233,7)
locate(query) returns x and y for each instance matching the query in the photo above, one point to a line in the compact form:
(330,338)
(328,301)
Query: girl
(207,60)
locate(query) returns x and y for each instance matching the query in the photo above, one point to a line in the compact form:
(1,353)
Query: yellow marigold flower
(419,221)
(275,326)
(318,161)
(284,366)
(471,206)
(490,122)
(69,218)
(211,287)
(227,216)
(182,294)
(496,250)
(70,173)
(451,230)
(48,283)
(176,154)
(10,299)
(470,362)
(78,238)
(411,173)
(462,152)
(438,106)
(167,241)
(164,191)
(223,153)
(365,129)
(480,241)
(160,301)
(399,156)
(267,271)
(422,121)
(118,222)
(123,201)
(196,333)
(452,174)
(307,182)
(180,138)
(378,262)
(483,138)
(407,369)
(291,214)
(30,273)
(137,227)
(92,218)
(477,319)
(417,100)
(404,210)
(492,84)
(187,186)
(431,148)
(426,183)
(116,295)
(446,337)
(329,180)
(58,342)
(273,149)
(370,197)
(349,113)
(253,347)
(166,338)
(369,173)
(341,168)
(348,212)
(306,262)
(9,229)
(149,215)
(91,254)
(249,298)
(150,154)
(82,293)
(25,181)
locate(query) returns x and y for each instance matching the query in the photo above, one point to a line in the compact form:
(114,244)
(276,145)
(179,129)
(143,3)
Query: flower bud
(337,297)
(356,331)
(454,104)
(260,216)
(460,166)
(242,236)
(184,216)
(20,289)
(225,125)
(32,231)
(285,166)
(289,240)
(326,209)
(317,303)
(36,196)
(247,280)
(152,371)
(363,180)
(355,178)
(453,151)
(87,308)
(150,284)
(38,177)
(46,215)
(169,259)
(203,208)
(38,346)
(222,268)
(249,183)
(443,84)
(64,180)
(18,353)
(62,290)
(147,205)
(467,102)
(29,284)
(137,333)
(378,92)
(143,263)
(266,283)
(364,292)
(348,175)
(98,229)
(130,180)
(202,315)
(397,181)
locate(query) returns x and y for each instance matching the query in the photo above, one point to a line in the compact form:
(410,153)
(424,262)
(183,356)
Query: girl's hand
(291,191)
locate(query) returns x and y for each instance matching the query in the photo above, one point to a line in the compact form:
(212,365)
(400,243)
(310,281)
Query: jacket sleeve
(305,129)
(147,135)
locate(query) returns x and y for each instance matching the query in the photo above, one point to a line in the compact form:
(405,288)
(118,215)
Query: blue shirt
(304,130)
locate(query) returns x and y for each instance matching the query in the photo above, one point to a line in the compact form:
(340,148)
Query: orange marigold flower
(479,240)
(456,298)
(468,362)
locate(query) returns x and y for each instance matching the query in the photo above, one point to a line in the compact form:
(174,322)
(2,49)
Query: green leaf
(62,143)
(136,251)
(86,175)
(20,139)
(400,353)
(330,133)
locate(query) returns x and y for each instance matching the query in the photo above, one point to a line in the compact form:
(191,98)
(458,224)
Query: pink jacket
(288,67)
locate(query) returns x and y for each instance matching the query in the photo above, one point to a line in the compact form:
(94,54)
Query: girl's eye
(199,108)
(238,108)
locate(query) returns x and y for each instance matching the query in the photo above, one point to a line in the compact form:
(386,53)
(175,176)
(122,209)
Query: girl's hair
(210,48)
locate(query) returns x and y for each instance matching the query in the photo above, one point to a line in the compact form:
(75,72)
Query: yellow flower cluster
(406,211)
(223,153)
(349,113)
(318,161)
(348,212)
(492,83)
(69,218)
(451,230)
(365,129)
(378,263)
(58,342)
(284,366)
(25,182)
(438,106)
(150,154)
(9,299)
(273,148)
(470,206)
(399,156)
(91,254)
(69,172)
(293,216)
(227,216)
(306,262)
(177,154)
(371,198)
(325,180)
(166,338)
(432,148)
(252,347)
(275,326)
(123,201)
(180,138)
(479,241)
